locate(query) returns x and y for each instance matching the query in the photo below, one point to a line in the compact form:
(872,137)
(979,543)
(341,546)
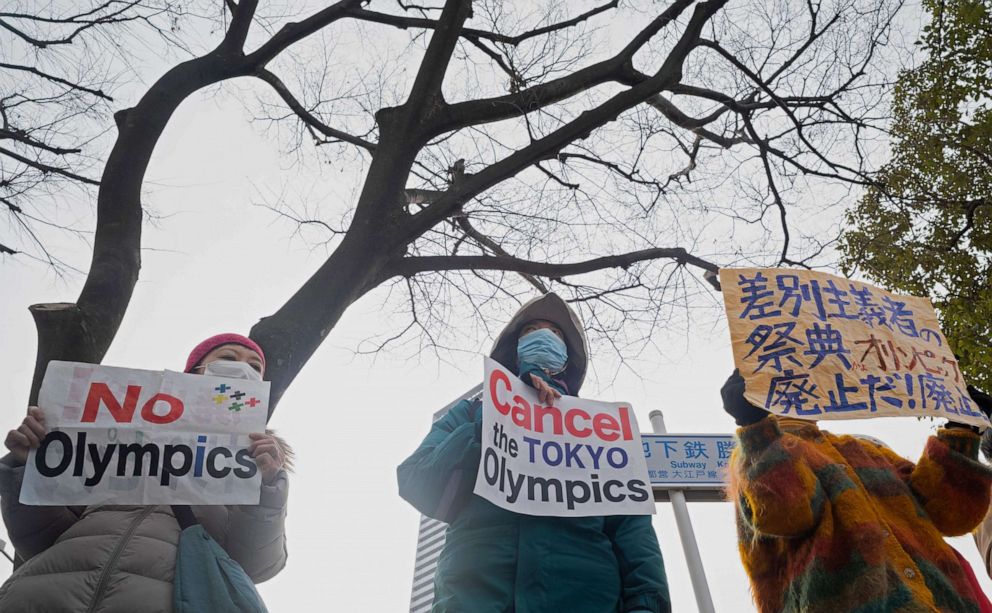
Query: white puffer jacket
(120,559)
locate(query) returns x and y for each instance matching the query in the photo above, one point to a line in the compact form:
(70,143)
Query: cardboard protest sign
(816,346)
(127,436)
(575,459)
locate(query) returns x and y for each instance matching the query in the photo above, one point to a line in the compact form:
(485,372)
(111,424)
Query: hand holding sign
(546,394)
(983,400)
(734,402)
(268,454)
(27,436)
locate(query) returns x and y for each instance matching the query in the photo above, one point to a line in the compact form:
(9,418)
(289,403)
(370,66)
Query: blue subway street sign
(688,460)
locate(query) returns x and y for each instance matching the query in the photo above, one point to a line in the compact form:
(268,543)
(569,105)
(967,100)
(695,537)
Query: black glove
(734,402)
(983,400)
(961,426)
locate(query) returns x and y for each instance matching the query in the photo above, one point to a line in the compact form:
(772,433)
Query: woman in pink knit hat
(122,558)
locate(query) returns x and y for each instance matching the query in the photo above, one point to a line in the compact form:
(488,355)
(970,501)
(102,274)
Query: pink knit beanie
(200,351)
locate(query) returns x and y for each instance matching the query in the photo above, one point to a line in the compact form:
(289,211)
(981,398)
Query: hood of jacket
(549,307)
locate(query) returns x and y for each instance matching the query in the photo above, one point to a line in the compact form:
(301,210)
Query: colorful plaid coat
(835,523)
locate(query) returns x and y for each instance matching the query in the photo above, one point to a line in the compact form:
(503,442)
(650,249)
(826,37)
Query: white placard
(575,459)
(128,436)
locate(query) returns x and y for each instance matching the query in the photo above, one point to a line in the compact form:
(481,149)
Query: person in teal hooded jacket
(497,561)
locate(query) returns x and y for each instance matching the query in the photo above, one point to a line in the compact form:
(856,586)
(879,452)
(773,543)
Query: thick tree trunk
(291,335)
(376,238)
(82,332)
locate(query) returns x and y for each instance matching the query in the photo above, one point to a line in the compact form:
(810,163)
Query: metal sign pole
(695,563)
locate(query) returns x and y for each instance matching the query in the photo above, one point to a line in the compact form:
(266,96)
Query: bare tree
(60,69)
(573,146)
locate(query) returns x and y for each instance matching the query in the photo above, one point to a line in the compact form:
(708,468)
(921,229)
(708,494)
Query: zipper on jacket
(101,585)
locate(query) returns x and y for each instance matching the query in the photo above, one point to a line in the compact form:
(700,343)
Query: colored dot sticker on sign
(252,402)
(222,388)
(238,395)
(219,399)
(236,406)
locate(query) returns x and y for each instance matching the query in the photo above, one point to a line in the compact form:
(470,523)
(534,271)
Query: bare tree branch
(464,223)
(487,110)
(410,266)
(403,23)
(307,117)
(114,16)
(426,87)
(669,73)
(46,168)
(294,32)
(55,79)
(23,138)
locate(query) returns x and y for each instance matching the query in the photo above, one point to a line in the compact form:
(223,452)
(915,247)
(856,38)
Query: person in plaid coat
(831,523)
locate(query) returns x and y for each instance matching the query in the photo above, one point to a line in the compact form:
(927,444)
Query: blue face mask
(544,349)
